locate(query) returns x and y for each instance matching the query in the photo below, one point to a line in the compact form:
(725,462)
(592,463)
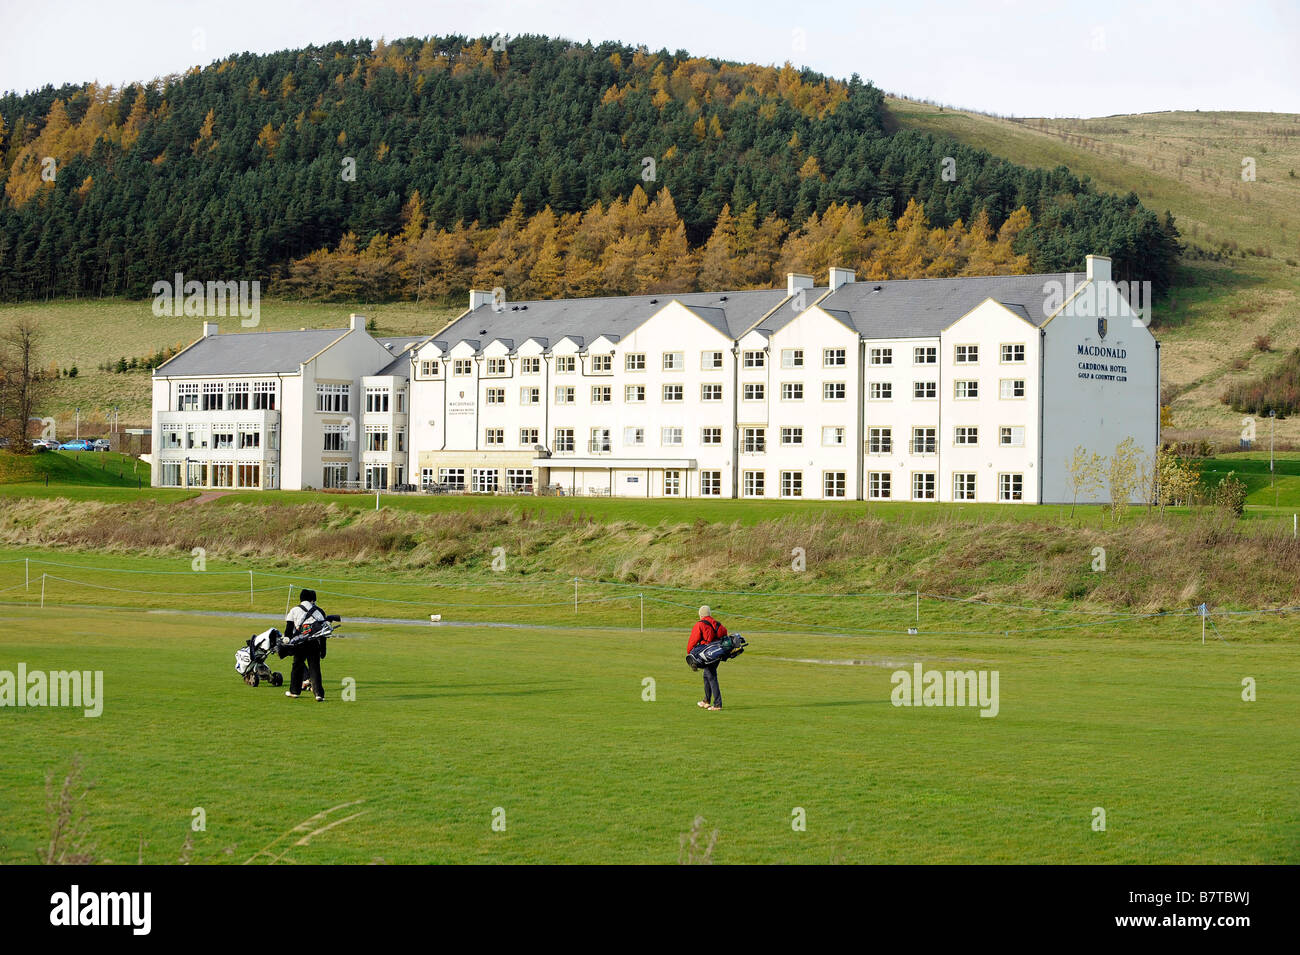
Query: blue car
(77,445)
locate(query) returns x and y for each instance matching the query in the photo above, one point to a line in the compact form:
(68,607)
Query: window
(452,478)
(519,479)
(1011,436)
(1011,487)
(924,389)
(881,391)
(376,477)
(602,364)
(492,438)
(792,437)
(399,442)
(882,356)
(635,394)
(377,399)
(213,396)
(263,396)
(485,480)
(634,361)
(965,436)
(752,484)
(966,388)
(792,391)
(832,436)
(754,359)
(673,392)
(710,360)
(754,440)
(333,475)
(531,365)
(171,475)
(833,391)
(674,360)
(601,394)
(754,392)
(530,396)
(495,396)
(430,369)
(565,394)
(250,475)
(250,437)
(963,486)
(223,475)
(1012,388)
(237,396)
(834,484)
(462,366)
(426,477)
(601,441)
(563,439)
(791,357)
(1013,354)
(833,357)
(171,436)
(566,364)
(671,437)
(710,483)
(333,398)
(496,366)
(792,484)
(710,392)
(672,483)
(966,354)
(878,483)
(633,437)
(376,437)
(880,440)
(925,355)
(923,485)
(196,437)
(923,441)
(529,437)
(710,436)
(223,437)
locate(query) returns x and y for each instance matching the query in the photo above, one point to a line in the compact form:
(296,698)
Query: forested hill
(235,170)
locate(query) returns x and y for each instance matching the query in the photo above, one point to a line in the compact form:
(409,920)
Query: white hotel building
(962,389)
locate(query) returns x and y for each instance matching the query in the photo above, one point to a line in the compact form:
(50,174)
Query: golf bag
(716,651)
(250,659)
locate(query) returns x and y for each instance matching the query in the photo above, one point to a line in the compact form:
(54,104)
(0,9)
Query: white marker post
(27,572)
(42,591)
(642,596)
(250,588)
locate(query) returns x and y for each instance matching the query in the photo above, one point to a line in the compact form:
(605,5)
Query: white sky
(1014,57)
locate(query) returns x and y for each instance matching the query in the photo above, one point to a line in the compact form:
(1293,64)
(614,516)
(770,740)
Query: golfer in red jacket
(706,631)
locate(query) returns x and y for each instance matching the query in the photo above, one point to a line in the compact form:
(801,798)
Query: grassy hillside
(1191,165)
(65,470)
(88,333)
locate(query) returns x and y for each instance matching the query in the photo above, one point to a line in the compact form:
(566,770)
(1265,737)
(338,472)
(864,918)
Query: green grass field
(451,725)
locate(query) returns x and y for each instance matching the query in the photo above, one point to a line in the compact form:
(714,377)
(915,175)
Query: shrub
(1230,494)
(1264,343)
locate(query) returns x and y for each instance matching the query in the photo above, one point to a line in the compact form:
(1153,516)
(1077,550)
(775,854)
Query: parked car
(79,445)
(49,444)
(100,444)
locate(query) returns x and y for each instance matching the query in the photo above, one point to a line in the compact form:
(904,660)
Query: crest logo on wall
(1102,324)
(462,394)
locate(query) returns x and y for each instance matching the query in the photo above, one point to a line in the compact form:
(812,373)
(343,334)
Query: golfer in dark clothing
(301,627)
(706,631)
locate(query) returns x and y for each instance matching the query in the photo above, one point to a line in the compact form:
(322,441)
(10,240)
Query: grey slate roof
(250,353)
(922,308)
(585,319)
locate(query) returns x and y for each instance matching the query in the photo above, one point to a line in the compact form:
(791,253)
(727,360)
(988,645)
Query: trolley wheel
(254,681)
(277,679)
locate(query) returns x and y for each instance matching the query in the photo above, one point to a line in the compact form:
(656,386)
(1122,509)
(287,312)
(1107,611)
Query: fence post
(288,600)
(42,591)
(27,572)
(642,596)
(250,588)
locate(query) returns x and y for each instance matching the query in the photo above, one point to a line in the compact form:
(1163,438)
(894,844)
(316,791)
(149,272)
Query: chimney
(209,329)
(356,322)
(477,298)
(1099,268)
(797,280)
(840,277)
